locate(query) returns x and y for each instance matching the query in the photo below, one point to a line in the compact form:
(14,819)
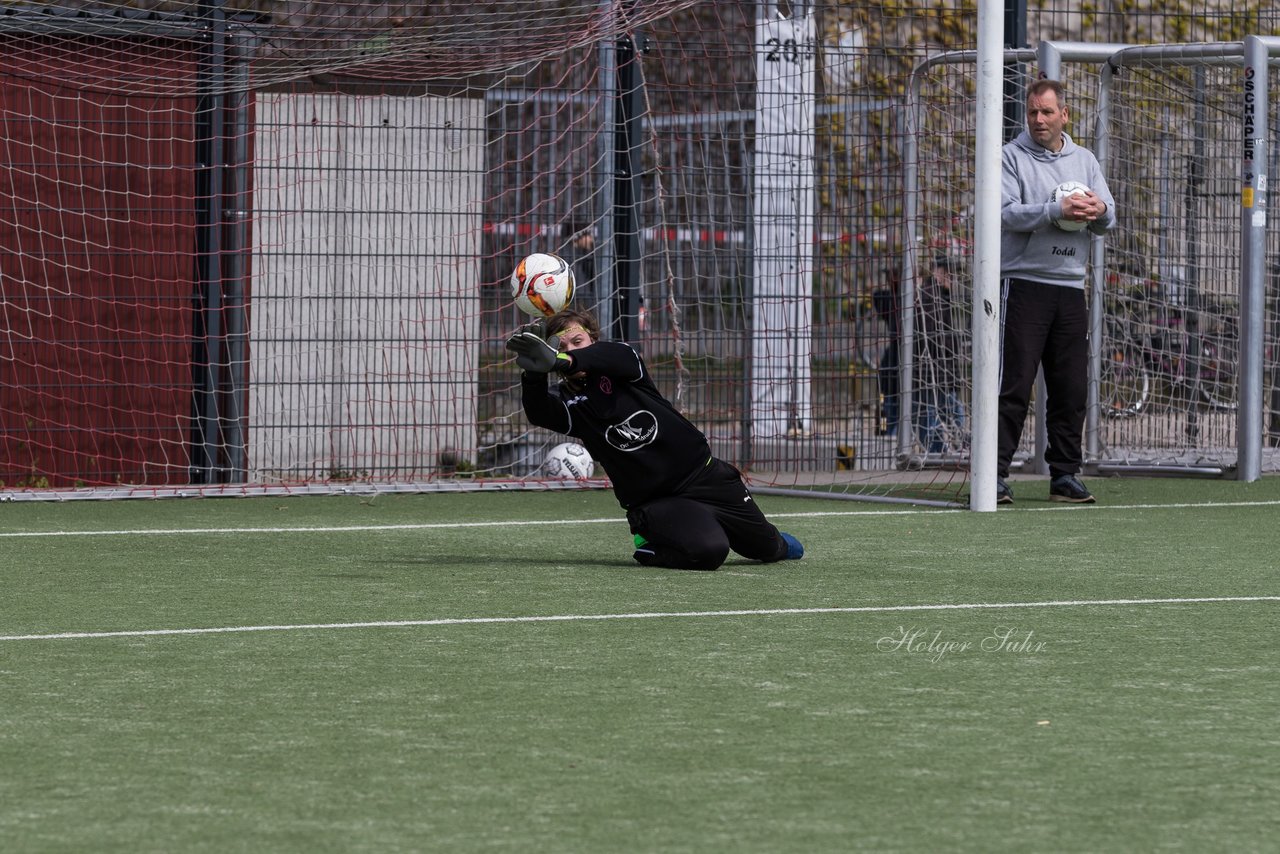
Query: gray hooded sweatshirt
(1031,246)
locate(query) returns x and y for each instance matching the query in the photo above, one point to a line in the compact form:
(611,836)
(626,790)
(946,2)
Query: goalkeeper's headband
(574,328)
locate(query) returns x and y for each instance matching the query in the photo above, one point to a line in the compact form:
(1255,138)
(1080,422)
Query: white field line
(427,526)
(571,618)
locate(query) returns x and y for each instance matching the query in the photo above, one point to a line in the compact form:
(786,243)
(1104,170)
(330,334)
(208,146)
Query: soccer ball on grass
(569,460)
(542,284)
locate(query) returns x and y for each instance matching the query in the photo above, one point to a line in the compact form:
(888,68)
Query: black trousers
(695,529)
(1043,325)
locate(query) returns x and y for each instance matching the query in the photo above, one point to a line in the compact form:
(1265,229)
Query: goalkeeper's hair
(562,320)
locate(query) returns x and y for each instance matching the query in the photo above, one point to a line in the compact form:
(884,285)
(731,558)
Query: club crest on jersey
(640,429)
(606,385)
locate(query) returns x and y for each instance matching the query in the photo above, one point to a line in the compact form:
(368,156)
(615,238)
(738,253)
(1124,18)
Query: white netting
(287,40)
(1172,320)
(265,244)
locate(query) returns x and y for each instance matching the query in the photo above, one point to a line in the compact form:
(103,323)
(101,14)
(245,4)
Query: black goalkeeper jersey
(647,448)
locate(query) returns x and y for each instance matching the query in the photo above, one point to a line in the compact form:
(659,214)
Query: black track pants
(1043,325)
(697,528)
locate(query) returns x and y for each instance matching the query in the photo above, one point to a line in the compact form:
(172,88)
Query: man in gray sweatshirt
(1044,245)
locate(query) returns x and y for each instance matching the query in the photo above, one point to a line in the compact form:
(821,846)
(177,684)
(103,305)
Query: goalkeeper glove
(538,327)
(536,356)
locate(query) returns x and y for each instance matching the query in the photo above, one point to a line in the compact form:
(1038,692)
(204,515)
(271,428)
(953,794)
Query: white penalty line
(428,526)
(572,618)
(408,526)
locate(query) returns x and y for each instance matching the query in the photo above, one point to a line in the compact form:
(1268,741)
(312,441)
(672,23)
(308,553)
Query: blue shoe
(795,551)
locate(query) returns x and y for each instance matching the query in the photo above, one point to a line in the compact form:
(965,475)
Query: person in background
(1043,318)
(686,508)
(936,405)
(884,302)
(939,411)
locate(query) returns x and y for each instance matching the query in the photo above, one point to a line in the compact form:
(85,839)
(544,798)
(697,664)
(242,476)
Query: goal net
(777,194)
(1168,295)
(250,246)
(1169,391)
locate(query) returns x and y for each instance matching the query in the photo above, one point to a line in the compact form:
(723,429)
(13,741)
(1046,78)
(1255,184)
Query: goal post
(985,324)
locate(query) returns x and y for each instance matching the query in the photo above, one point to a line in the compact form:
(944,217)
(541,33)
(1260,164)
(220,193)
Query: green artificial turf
(1026,724)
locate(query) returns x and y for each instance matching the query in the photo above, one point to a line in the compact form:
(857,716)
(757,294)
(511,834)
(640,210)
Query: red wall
(96,269)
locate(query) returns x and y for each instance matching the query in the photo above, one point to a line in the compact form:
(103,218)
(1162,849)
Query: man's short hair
(1046,85)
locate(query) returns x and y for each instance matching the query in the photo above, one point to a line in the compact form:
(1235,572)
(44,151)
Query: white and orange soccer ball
(542,284)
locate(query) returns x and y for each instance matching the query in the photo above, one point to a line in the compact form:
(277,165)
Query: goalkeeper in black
(686,508)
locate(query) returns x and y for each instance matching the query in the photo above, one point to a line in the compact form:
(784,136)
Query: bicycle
(1187,353)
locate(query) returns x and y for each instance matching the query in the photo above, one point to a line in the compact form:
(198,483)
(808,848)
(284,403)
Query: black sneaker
(1004,495)
(644,552)
(1069,488)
